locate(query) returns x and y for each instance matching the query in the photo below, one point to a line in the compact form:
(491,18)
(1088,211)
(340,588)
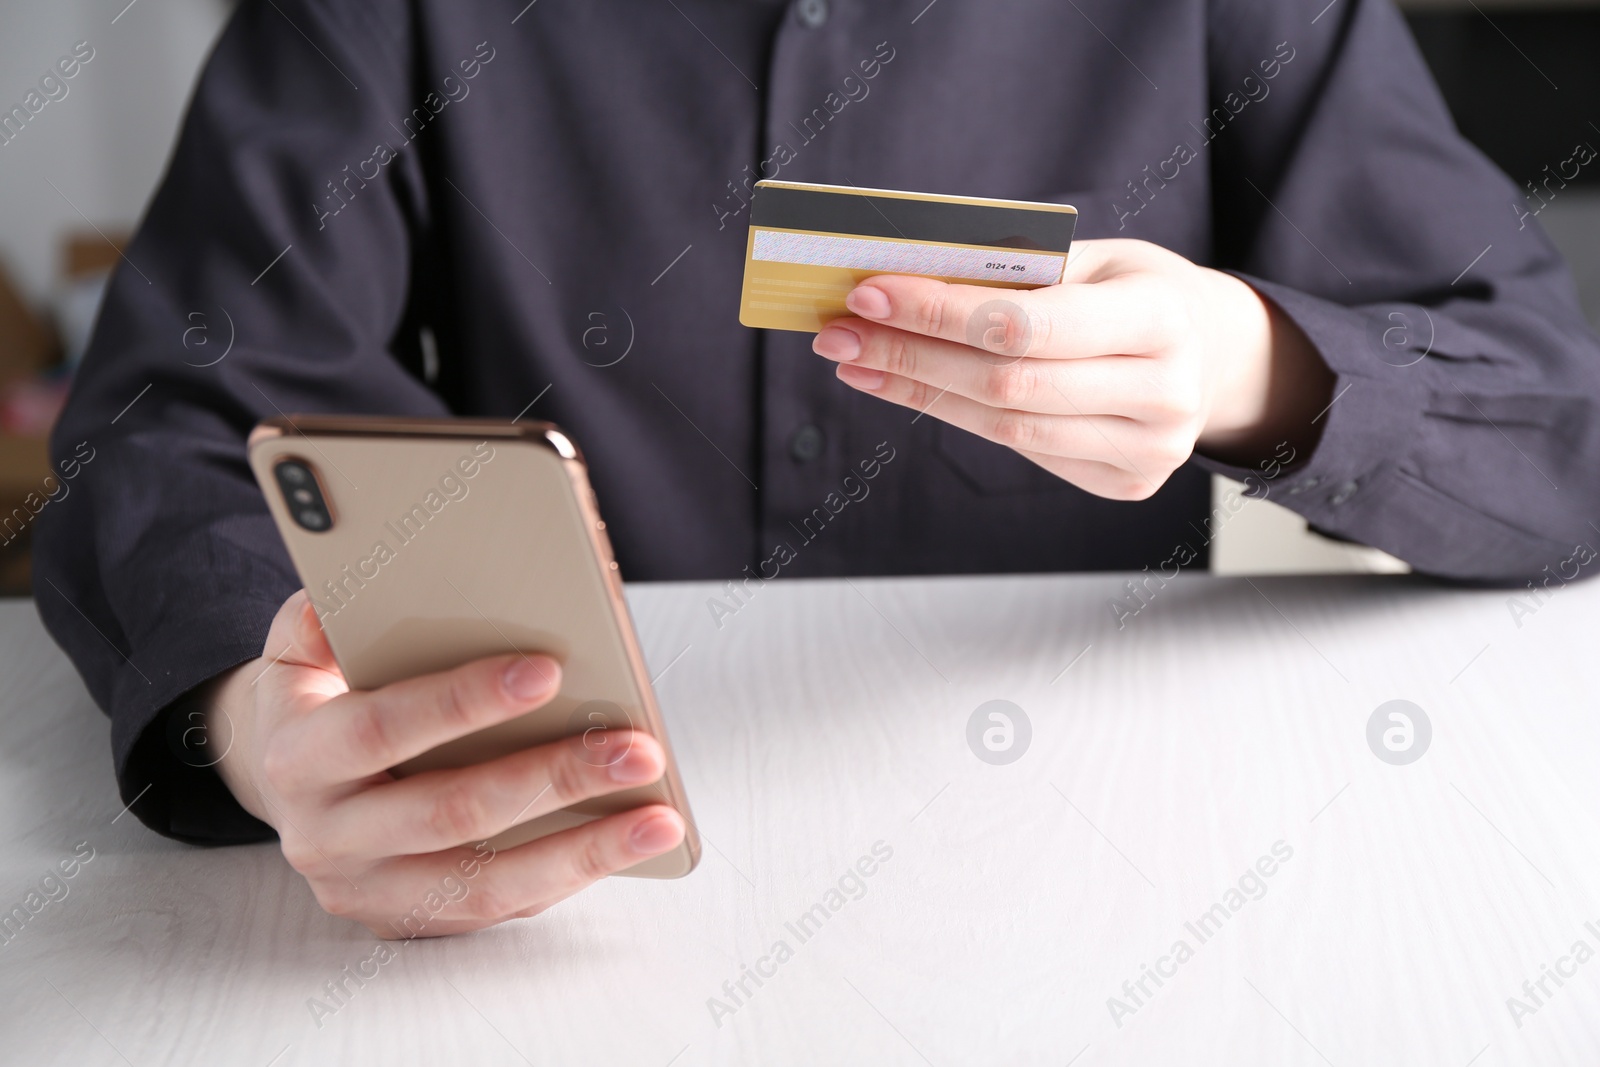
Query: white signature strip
(986,264)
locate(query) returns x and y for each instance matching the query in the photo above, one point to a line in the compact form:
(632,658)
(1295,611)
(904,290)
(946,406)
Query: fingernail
(656,834)
(868,301)
(860,377)
(530,677)
(838,343)
(636,766)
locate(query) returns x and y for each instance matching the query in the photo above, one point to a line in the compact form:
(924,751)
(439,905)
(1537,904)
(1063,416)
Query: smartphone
(426,543)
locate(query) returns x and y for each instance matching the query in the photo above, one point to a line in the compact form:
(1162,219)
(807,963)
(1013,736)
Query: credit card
(809,245)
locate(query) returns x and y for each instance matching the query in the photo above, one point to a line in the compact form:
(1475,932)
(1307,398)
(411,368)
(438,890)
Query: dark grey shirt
(556,197)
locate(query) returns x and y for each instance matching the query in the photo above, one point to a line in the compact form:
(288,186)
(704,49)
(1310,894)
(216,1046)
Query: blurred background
(1522,79)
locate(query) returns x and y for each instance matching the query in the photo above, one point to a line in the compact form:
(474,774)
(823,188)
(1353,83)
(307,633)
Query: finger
(1103,385)
(1104,439)
(528,875)
(1101,479)
(541,907)
(296,636)
(363,733)
(1092,260)
(437,810)
(390,930)
(1129,314)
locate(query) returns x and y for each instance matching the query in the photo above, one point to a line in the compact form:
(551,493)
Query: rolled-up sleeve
(1463,433)
(243,295)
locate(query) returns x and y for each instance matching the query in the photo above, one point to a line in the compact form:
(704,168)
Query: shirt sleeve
(1463,434)
(243,295)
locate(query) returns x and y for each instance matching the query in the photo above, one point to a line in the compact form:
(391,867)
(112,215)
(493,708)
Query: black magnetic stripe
(916,220)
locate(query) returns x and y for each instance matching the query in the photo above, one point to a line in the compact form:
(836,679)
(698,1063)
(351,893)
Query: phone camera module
(304,495)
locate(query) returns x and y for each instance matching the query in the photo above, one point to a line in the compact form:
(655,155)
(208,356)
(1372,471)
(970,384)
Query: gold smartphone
(426,543)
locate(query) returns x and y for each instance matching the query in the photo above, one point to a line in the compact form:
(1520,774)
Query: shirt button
(1343,493)
(806,444)
(1302,486)
(812,13)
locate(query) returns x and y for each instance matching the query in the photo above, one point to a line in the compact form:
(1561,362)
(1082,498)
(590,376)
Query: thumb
(297,637)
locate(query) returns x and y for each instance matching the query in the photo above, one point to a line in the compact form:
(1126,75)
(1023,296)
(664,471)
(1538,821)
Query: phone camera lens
(303,495)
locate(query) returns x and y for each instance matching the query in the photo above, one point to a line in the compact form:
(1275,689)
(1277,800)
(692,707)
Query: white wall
(106,143)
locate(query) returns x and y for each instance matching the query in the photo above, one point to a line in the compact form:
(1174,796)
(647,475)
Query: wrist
(228,704)
(1270,381)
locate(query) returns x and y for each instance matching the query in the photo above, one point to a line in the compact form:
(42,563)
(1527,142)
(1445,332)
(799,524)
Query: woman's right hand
(309,756)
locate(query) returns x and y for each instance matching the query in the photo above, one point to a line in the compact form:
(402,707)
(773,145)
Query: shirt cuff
(165,761)
(1357,483)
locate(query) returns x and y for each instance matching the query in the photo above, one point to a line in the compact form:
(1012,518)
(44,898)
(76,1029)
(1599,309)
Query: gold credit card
(809,245)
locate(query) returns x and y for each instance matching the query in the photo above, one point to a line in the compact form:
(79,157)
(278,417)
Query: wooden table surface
(1198,799)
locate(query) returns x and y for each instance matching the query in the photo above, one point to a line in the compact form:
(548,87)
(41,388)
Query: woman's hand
(1110,379)
(310,756)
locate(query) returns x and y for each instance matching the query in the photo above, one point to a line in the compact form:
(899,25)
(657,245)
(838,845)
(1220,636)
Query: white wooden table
(825,718)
